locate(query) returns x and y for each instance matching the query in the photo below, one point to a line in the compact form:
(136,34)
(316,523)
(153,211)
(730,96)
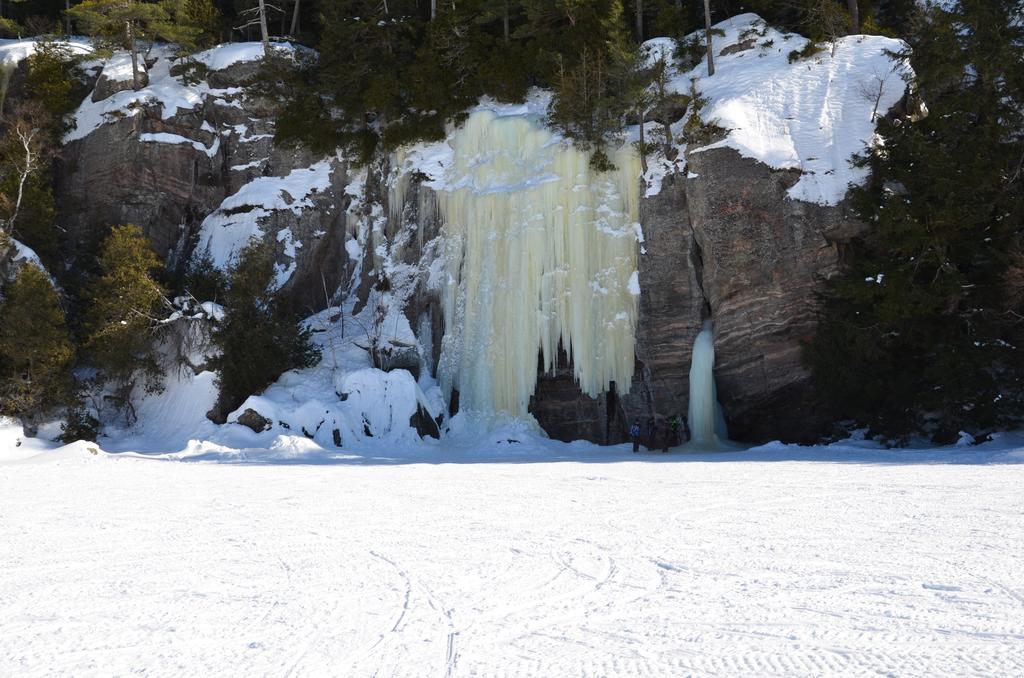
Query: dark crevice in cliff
(697,261)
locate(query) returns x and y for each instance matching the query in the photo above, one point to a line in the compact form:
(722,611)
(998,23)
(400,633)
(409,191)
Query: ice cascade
(539,252)
(707,423)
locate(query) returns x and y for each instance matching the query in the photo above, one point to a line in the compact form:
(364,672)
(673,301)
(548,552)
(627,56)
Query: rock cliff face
(726,244)
(764,256)
(167,171)
(722,240)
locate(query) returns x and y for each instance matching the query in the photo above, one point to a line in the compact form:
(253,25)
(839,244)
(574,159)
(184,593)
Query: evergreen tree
(125,22)
(672,18)
(51,81)
(260,338)
(123,306)
(203,17)
(397,72)
(924,333)
(593,63)
(35,347)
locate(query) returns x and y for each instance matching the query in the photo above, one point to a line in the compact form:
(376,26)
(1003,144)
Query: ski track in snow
(710,566)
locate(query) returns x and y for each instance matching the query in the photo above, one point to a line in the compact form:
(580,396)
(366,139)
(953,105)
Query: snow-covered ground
(544,560)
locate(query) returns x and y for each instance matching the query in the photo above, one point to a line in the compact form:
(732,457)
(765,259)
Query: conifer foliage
(35,347)
(925,333)
(259,338)
(124,305)
(126,22)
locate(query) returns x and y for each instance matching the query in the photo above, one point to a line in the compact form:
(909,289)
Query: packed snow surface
(525,558)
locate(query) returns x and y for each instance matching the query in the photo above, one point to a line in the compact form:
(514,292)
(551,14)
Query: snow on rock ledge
(230,228)
(225,56)
(13,52)
(812,115)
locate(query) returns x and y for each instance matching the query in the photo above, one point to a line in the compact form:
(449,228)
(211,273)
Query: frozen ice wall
(540,249)
(707,423)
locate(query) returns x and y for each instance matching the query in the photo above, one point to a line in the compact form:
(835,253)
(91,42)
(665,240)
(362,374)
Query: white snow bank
(15,445)
(170,419)
(224,56)
(18,449)
(812,115)
(118,68)
(370,409)
(366,407)
(13,52)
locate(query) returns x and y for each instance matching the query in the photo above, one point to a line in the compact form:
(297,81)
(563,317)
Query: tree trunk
(707,27)
(504,21)
(295,20)
(26,135)
(433,9)
(854,16)
(640,20)
(129,32)
(67,19)
(263,28)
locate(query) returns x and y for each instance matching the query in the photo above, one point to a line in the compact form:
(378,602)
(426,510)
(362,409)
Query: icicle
(707,423)
(540,250)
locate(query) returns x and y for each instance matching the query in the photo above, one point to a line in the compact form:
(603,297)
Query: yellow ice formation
(540,249)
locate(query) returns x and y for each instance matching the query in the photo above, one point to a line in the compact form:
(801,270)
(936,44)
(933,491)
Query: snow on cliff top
(224,56)
(163,88)
(13,52)
(811,115)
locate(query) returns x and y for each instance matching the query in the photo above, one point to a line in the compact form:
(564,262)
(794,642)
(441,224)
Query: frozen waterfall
(540,249)
(707,423)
